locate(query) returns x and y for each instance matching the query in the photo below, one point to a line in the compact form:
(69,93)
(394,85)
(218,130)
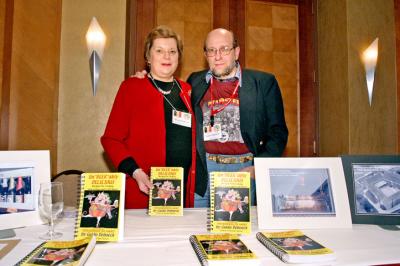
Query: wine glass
(51,205)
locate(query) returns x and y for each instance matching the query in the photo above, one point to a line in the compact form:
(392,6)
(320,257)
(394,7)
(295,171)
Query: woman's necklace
(166,92)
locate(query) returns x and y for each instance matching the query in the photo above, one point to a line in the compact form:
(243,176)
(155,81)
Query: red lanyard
(214,112)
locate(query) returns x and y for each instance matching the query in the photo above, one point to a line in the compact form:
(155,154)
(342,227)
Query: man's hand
(140,74)
(142,180)
(249,169)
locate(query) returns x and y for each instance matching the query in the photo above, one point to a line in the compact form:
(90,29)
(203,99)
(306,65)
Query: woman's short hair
(162,32)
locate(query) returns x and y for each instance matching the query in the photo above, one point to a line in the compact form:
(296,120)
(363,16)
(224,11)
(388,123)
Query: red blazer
(136,128)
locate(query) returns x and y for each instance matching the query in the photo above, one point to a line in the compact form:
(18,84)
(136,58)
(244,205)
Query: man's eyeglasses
(210,52)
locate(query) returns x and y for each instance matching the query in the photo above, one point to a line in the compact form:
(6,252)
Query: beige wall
(347,124)
(82,116)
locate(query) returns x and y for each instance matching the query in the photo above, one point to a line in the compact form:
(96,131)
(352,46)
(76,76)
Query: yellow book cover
(295,247)
(229,203)
(222,249)
(71,253)
(167,194)
(101,206)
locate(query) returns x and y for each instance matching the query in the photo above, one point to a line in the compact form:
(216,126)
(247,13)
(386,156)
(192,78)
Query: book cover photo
(101,206)
(167,194)
(295,247)
(74,252)
(222,249)
(230,203)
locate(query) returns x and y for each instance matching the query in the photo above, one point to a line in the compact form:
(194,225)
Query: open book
(74,252)
(222,249)
(295,247)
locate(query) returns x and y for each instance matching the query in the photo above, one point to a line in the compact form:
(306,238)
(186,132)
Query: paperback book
(74,252)
(101,206)
(229,203)
(222,249)
(295,247)
(166,195)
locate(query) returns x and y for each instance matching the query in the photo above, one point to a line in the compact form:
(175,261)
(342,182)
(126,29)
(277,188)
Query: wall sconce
(95,41)
(370,58)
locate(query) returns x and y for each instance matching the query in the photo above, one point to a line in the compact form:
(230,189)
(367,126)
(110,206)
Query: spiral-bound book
(74,252)
(166,196)
(295,247)
(101,206)
(229,203)
(222,249)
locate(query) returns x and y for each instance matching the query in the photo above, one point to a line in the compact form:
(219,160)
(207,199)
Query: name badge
(181,118)
(212,132)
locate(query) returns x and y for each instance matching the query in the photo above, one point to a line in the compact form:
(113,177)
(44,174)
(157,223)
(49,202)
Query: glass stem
(51,224)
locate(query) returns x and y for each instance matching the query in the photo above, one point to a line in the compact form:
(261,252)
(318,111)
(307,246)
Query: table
(164,241)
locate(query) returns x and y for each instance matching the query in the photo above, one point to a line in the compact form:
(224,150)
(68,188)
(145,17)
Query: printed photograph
(297,243)
(301,192)
(377,189)
(214,247)
(58,256)
(16,190)
(166,193)
(231,204)
(100,209)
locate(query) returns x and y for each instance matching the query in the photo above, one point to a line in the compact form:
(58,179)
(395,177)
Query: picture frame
(373,185)
(301,193)
(21,173)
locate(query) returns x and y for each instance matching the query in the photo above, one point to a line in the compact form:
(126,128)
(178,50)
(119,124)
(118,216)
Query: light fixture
(370,58)
(95,41)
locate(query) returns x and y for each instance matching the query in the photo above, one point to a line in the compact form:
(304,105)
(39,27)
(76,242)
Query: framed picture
(21,173)
(301,193)
(373,183)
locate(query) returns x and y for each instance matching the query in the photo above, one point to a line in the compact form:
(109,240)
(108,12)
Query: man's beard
(225,72)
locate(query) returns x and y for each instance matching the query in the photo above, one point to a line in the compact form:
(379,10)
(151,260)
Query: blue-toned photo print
(301,192)
(376,189)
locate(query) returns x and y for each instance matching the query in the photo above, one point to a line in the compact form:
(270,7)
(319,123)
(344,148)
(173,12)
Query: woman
(152,123)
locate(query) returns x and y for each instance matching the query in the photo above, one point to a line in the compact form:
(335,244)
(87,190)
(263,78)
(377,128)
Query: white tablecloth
(164,241)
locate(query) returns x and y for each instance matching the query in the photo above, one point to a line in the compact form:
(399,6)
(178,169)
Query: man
(239,114)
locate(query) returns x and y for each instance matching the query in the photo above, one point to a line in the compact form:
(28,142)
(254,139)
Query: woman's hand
(140,74)
(142,180)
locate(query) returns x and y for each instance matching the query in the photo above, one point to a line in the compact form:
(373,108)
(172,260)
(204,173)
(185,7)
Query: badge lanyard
(214,112)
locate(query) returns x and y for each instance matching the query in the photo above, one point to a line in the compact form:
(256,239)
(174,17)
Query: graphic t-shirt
(231,141)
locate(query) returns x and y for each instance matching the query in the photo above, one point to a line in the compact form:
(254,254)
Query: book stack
(74,252)
(295,247)
(222,249)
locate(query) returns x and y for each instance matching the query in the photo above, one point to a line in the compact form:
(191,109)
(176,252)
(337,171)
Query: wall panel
(82,116)
(272,46)
(192,20)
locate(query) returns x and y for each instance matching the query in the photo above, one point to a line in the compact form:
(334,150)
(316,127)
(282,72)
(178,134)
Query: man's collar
(238,74)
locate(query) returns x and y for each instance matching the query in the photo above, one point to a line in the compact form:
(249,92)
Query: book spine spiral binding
(201,255)
(210,211)
(27,257)
(270,246)
(150,209)
(80,200)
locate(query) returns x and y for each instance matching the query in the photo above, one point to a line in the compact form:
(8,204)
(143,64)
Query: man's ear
(237,52)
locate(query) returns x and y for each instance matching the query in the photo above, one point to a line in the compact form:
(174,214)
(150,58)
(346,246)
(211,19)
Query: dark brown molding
(308,83)
(397,26)
(141,19)
(5,86)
